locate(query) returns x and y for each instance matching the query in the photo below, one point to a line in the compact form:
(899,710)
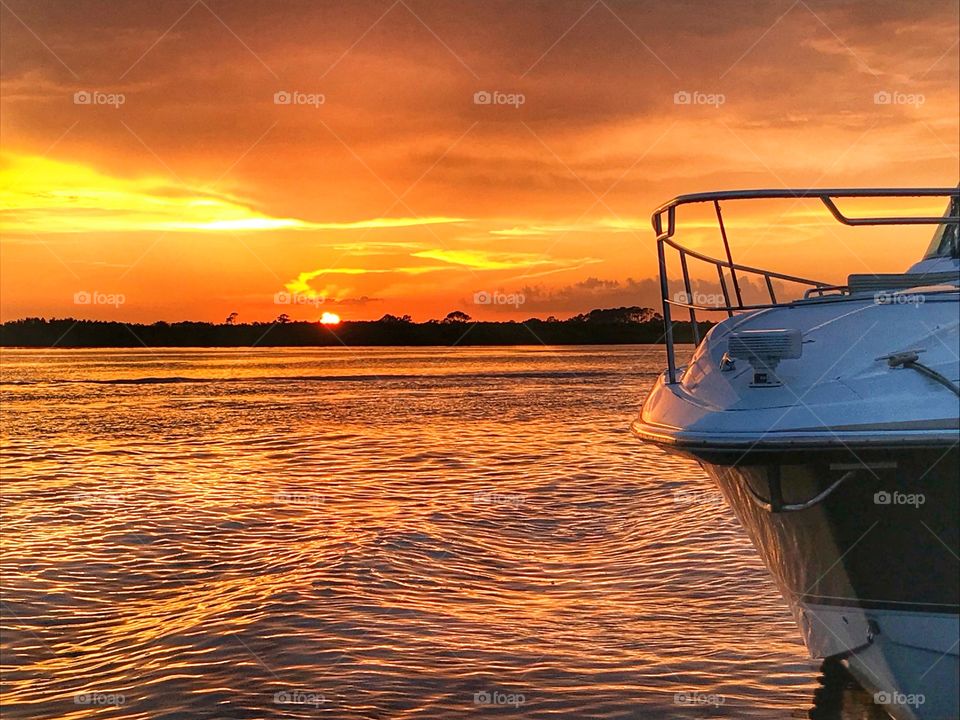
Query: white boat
(831,425)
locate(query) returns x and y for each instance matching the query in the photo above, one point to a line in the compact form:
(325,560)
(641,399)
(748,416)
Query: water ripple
(243,534)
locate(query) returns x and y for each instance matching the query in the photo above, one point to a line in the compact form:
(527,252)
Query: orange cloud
(480,260)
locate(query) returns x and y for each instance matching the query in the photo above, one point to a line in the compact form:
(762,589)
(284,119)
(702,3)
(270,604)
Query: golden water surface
(373,533)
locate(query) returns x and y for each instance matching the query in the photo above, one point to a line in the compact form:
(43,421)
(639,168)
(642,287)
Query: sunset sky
(204,157)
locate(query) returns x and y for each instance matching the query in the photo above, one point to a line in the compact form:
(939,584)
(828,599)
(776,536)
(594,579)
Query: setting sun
(329,318)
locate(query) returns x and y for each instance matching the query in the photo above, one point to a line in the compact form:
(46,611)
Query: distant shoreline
(621,326)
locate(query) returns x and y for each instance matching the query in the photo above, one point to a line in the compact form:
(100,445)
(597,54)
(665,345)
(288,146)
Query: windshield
(944,243)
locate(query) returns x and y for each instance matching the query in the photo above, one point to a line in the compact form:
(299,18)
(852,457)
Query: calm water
(376,533)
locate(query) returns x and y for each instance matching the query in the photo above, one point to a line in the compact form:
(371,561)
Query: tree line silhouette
(625,325)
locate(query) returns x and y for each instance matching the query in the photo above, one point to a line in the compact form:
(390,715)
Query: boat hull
(871,570)
(908,667)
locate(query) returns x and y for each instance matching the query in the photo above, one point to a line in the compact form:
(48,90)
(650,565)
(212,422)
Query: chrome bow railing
(735,303)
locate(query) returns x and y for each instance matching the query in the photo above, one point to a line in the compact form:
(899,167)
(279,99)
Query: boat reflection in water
(830,425)
(841,697)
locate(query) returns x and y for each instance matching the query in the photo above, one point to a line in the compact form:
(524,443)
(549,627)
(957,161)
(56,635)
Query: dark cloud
(355,302)
(596,293)
(589,294)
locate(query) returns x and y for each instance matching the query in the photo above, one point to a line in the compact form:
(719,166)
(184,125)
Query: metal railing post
(726,293)
(667,321)
(726,247)
(686,287)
